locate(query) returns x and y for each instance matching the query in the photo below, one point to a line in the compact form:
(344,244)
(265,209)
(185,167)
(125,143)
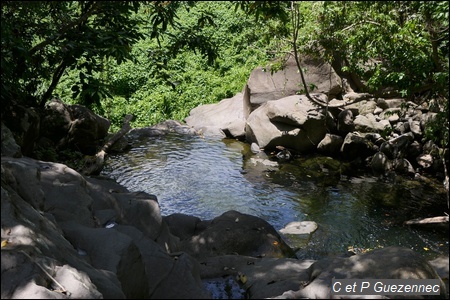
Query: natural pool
(206,177)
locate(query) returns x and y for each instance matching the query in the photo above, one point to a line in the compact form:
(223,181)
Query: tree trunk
(94,165)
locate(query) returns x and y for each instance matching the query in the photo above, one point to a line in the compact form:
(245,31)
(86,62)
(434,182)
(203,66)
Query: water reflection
(206,177)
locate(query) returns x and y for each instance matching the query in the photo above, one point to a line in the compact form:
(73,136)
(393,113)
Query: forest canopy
(159,59)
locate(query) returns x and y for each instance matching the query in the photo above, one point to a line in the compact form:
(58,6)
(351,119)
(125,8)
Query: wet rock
(380,163)
(330,145)
(303,227)
(356,146)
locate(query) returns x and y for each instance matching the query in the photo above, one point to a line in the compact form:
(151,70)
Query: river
(206,177)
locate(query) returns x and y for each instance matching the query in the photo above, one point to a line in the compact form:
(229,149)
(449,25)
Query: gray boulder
(73,126)
(225,118)
(9,145)
(264,86)
(108,249)
(293,122)
(32,241)
(345,122)
(236,233)
(386,263)
(368,123)
(259,277)
(381,163)
(114,241)
(356,146)
(330,145)
(24,124)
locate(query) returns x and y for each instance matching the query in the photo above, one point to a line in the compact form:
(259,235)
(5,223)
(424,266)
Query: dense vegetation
(165,79)
(159,59)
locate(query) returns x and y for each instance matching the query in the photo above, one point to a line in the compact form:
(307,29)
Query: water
(206,177)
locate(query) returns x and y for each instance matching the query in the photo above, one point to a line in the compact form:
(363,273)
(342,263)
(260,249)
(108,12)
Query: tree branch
(94,165)
(56,77)
(359,23)
(66,29)
(296,24)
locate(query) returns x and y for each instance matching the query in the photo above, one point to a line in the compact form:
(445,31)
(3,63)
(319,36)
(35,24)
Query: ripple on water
(207,177)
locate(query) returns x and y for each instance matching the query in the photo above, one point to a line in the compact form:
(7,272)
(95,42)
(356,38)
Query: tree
(41,40)
(289,13)
(399,44)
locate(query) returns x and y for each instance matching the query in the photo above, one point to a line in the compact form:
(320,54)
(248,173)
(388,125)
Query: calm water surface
(206,177)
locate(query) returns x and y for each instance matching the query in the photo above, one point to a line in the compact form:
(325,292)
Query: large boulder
(293,122)
(87,130)
(259,278)
(380,163)
(109,249)
(24,124)
(160,129)
(345,122)
(236,233)
(386,263)
(56,121)
(67,237)
(330,145)
(225,118)
(356,146)
(264,86)
(9,145)
(73,126)
(33,242)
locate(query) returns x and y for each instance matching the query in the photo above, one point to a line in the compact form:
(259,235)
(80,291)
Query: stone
(9,145)
(24,124)
(73,126)
(367,107)
(330,145)
(425,160)
(181,225)
(386,263)
(356,146)
(255,148)
(345,122)
(380,163)
(293,122)
(368,123)
(264,86)
(303,227)
(415,128)
(237,233)
(216,119)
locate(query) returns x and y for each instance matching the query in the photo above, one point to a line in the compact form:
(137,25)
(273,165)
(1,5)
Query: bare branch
(66,28)
(359,23)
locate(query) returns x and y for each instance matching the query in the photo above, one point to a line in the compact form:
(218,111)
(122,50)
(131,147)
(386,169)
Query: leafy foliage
(399,44)
(41,40)
(165,80)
